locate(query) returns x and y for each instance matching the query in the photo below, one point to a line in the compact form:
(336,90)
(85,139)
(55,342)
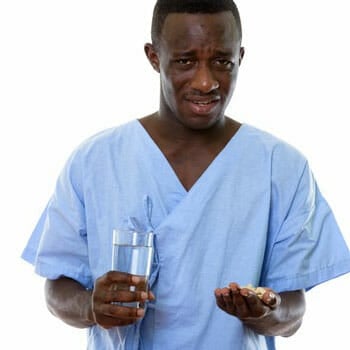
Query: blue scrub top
(255,216)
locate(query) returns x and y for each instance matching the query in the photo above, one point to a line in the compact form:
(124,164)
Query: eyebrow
(191,53)
(224,52)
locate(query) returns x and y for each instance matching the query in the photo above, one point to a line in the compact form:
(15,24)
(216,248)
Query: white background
(71,68)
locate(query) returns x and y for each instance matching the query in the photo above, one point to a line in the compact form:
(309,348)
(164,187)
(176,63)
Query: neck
(174,131)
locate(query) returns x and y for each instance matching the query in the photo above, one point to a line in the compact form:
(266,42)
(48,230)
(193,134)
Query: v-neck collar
(164,163)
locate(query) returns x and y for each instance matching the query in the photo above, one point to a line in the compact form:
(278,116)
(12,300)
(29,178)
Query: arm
(72,303)
(272,315)
(69,301)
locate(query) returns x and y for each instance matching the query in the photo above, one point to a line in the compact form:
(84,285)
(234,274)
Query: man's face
(198,59)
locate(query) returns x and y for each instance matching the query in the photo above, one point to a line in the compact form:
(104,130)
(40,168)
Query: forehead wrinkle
(189,31)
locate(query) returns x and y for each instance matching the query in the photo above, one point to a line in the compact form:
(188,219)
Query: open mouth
(203,106)
(203,102)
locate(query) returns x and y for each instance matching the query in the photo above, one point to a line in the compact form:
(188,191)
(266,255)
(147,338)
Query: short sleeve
(58,245)
(308,247)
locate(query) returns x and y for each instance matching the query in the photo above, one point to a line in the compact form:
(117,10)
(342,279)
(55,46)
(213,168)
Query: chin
(201,122)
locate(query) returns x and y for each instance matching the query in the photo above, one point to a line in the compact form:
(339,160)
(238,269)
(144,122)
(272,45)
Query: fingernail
(140,312)
(135,279)
(244,292)
(271,299)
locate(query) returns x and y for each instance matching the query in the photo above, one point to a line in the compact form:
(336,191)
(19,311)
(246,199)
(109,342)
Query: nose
(203,79)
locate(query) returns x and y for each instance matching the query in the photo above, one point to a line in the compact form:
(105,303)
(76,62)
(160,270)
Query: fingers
(255,307)
(271,299)
(117,286)
(123,312)
(113,289)
(230,300)
(116,277)
(112,315)
(124,296)
(245,303)
(219,299)
(151,296)
(224,300)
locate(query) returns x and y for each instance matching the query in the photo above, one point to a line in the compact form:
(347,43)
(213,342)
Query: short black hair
(164,7)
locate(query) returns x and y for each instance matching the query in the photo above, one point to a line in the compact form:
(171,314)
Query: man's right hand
(110,290)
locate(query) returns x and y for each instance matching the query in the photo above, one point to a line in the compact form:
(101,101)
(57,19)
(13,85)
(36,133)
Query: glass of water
(132,253)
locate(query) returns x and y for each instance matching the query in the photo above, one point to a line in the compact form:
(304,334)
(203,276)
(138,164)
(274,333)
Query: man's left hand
(245,303)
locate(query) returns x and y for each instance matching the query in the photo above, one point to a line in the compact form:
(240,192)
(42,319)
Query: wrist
(87,313)
(264,324)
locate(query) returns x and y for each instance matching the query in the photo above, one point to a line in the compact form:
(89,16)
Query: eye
(184,64)
(223,64)
(184,61)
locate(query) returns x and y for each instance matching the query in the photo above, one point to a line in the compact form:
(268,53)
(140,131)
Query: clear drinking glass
(132,253)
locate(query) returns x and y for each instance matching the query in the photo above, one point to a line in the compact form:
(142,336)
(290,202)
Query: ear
(241,54)
(152,56)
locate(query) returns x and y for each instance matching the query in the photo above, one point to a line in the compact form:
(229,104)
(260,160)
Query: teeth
(202,103)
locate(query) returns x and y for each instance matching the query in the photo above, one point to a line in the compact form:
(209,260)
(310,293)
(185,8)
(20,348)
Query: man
(229,204)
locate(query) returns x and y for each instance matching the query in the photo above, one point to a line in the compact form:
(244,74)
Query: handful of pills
(259,291)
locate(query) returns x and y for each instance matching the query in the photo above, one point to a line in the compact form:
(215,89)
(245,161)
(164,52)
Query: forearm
(285,320)
(69,301)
